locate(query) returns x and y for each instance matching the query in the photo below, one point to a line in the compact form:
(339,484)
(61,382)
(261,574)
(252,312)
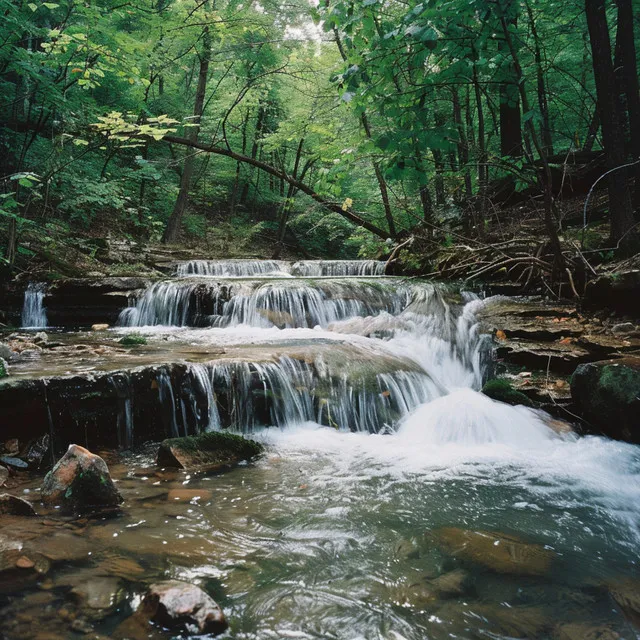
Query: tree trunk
(543,103)
(257,134)
(286,205)
(544,176)
(628,73)
(620,207)
(172,231)
(510,116)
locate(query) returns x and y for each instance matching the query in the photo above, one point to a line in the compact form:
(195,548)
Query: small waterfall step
(34,314)
(279,268)
(288,302)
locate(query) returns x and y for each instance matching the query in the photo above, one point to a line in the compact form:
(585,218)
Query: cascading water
(34,315)
(388,471)
(244,268)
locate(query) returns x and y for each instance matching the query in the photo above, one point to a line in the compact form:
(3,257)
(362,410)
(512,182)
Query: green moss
(219,442)
(501,389)
(132,340)
(4,369)
(621,382)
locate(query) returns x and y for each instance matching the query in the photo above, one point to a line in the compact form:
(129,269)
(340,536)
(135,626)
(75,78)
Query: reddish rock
(80,480)
(181,606)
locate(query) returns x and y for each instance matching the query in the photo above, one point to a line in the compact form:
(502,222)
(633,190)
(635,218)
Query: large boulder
(183,607)
(214,450)
(79,481)
(495,551)
(619,292)
(607,394)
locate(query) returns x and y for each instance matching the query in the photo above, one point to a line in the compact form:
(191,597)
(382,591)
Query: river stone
(181,606)
(80,480)
(213,450)
(495,551)
(99,593)
(12,505)
(626,593)
(607,394)
(4,475)
(578,631)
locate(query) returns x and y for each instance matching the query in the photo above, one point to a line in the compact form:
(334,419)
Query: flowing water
(34,314)
(382,460)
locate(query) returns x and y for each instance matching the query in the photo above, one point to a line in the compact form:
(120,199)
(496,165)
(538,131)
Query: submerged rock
(80,480)
(607,394)
(213,450)
(626,593)
(578,631)
(183,607)
(12,505)
(495,551)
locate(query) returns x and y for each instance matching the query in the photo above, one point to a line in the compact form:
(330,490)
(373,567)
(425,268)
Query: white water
(244,268)
(34,315)
(336,360)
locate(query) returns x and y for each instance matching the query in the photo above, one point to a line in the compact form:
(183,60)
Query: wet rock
(451,584)
(36,450)
(15,463)
(19,569)
(577,631)
(188,495)
(515,622)
(80,480)
(120,567)
(183,607)
(99,592)
(11,446)
(495,551)
(624,328)
(99,327)
(626,593)
(64,546)
(212,450)
(501,389)
(41,338)
(4,475)
(607,394)
(15,506)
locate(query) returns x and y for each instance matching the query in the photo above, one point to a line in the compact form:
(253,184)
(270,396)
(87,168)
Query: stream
(383,462)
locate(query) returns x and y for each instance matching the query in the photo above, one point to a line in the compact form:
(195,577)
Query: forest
(339,129)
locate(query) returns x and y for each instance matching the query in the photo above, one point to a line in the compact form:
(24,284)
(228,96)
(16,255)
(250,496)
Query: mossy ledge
(216,449)
(501,389)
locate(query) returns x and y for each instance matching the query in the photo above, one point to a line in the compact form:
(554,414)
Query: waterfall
(245,396)
(34,315)
(244,268)
(232,268)
(282,303)
(316,268)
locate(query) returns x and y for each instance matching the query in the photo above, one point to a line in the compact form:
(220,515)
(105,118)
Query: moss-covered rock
(79,481)
(607,394)
(4,368)
(501,389)
(214,450)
